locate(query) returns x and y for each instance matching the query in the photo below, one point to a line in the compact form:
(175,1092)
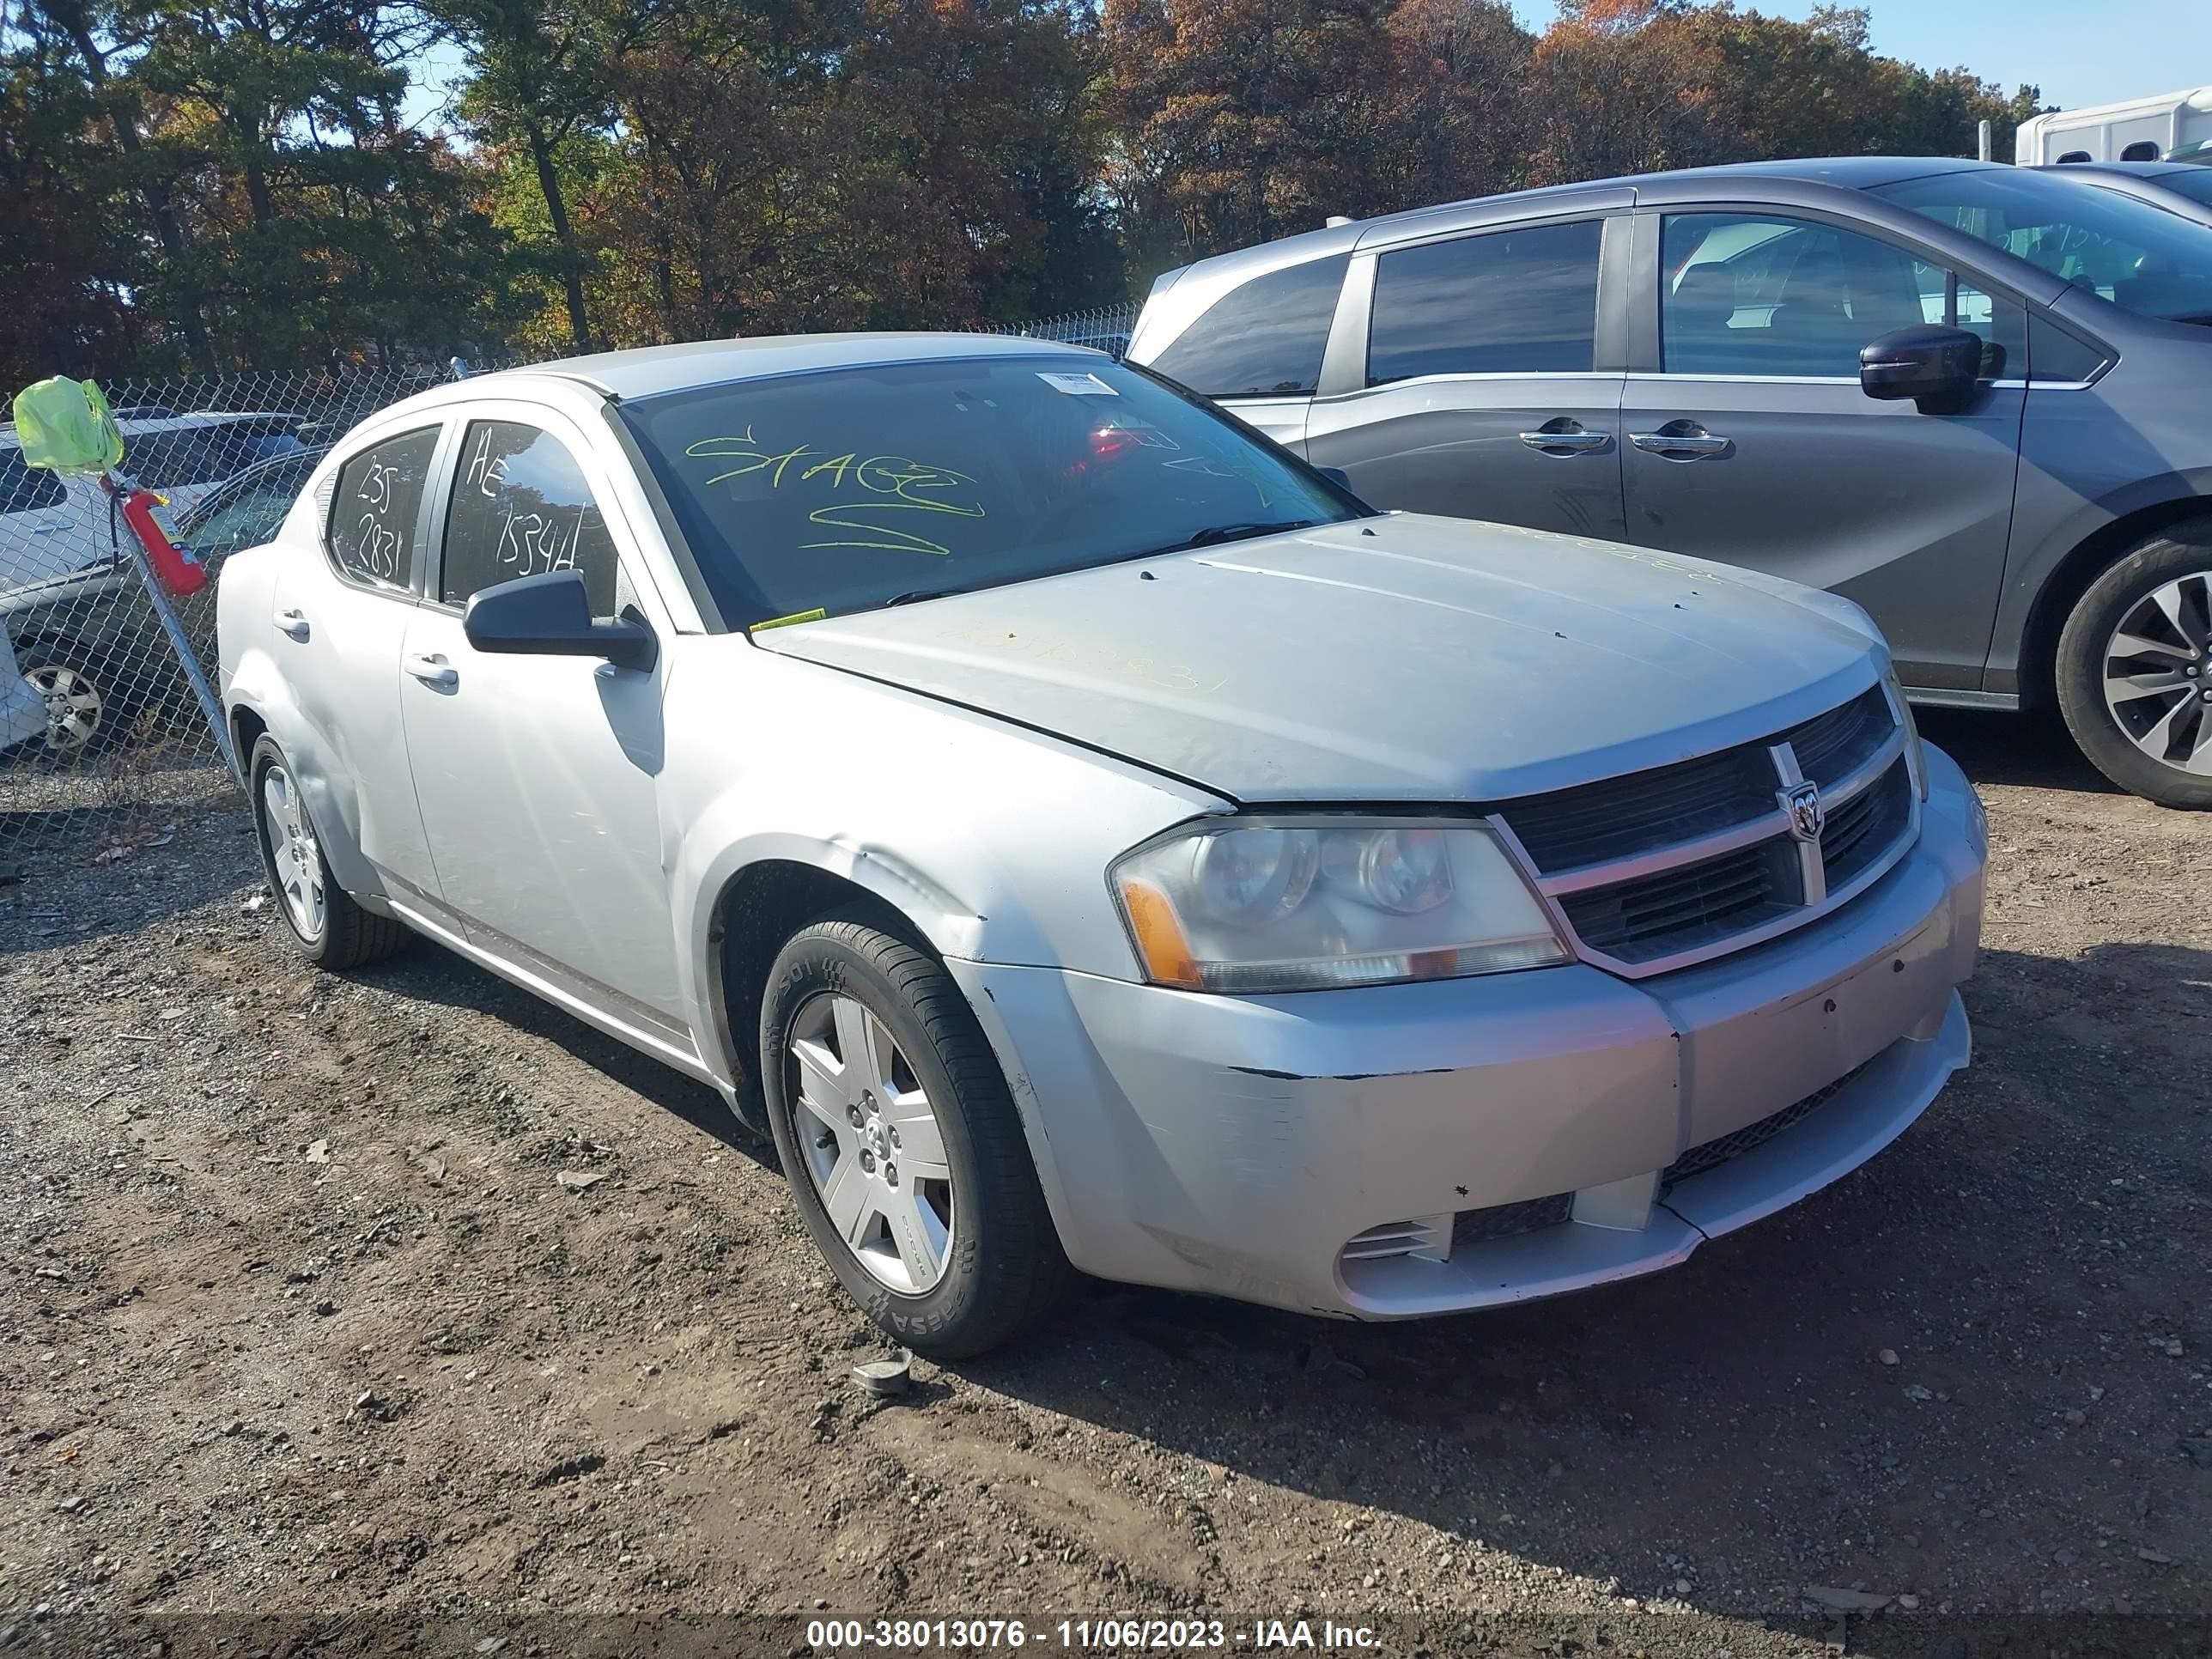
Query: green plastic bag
(66,425)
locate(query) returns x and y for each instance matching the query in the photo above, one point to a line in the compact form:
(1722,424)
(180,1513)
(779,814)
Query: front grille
(1859,830)
(1689,904)
(1599,822)
(1830,747)
(1487,1226)
(1714,1153)
(1662,867)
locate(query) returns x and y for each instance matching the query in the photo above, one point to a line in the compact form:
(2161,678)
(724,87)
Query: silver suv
(1970,398)
(1080,833)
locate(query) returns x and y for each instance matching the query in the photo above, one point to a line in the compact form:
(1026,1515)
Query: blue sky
(2079,52)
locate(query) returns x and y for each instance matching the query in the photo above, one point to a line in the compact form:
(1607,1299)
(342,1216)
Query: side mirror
(1936,367)
(1337,476)
(550,615)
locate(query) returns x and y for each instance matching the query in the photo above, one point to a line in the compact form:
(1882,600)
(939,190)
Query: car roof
(1843,171)
(650,370)
(2138,169)
(196,420)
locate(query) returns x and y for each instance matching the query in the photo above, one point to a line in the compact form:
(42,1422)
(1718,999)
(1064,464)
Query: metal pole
(1982,141)
(181,641)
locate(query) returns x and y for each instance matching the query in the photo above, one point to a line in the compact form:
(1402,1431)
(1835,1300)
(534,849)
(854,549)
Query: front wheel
(2135,669)
(902,1144)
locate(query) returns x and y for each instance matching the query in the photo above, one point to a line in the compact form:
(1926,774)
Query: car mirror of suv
(550,615)
(1933,366)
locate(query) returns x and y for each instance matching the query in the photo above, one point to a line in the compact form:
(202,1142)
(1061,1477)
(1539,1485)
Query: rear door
(1482,384)
(339,621)
(1750,441)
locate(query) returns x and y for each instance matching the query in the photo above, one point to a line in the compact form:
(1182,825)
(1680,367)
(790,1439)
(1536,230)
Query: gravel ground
(299,1319)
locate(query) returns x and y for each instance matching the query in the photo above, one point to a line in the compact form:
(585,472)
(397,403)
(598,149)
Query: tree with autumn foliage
(211,184)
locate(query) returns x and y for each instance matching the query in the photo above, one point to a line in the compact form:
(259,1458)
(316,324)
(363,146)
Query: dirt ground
(296,1319)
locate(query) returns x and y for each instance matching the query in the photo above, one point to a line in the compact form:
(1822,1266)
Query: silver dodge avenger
(1085,837)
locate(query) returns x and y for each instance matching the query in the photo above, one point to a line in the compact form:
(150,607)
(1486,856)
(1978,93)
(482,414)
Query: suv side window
(374,509)
(1263,339)
(1758,294)
(25,489)
(521,507)
(1521,301)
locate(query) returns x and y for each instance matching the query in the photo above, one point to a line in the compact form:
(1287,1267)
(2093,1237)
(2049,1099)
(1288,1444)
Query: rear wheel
(2135,669)
(900,1139)
(326,925)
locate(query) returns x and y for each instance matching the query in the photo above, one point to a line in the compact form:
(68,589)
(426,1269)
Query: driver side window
(521,507)
(1763,294)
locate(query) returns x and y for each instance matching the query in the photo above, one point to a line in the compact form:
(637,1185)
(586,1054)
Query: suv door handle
(434,671)
(292,623)
(1681,440)
(1565,436)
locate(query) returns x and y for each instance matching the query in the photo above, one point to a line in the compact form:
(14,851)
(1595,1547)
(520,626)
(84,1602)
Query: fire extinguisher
(180,574)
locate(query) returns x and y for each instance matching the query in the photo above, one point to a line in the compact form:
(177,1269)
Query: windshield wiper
(1214,534)
(912,594)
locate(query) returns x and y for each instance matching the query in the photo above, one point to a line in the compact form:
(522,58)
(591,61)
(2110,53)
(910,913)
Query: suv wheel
(328,927)
(2135,669)
(902,1144)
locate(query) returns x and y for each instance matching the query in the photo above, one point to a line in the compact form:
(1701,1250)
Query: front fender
(993,840)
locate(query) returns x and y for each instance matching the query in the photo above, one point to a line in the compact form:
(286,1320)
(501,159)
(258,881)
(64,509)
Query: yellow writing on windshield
(877,485)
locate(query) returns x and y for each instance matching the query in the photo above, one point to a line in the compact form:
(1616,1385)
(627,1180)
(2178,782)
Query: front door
(1481,397)
(537,776)
(1753,443)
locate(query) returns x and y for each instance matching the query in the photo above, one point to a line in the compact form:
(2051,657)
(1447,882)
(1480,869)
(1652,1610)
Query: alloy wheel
(294,855)
(2158,674)
(871,1143)
(73,707)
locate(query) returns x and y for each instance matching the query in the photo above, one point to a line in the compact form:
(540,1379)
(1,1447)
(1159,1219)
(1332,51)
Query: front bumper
(1397,1151)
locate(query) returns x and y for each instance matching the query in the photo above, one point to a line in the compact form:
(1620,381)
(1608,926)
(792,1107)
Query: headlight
(1256,905)
(1916,762)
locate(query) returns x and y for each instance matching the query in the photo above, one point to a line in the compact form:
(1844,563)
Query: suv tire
(2154,739)
(326,925)
(940,1233)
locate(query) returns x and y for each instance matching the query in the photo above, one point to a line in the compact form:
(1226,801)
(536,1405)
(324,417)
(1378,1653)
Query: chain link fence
(104,744)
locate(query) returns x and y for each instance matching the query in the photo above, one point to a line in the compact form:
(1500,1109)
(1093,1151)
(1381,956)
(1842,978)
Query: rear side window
(1264,339)
(1506,302)
(375,506)
(26,489)
(520,509)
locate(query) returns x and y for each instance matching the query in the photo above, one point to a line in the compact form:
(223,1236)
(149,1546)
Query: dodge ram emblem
(1802,802)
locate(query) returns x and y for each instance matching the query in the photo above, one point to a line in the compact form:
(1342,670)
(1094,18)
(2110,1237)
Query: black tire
(1005,1267)
(2175,554)
(62,664)
(350,937)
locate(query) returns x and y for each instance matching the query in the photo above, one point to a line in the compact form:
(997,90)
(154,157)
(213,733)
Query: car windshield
(2195,183)
(245,511)
(849,489)
(2140,257)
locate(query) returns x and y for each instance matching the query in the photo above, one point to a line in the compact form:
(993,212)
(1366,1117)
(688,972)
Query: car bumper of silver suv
(1394,1152)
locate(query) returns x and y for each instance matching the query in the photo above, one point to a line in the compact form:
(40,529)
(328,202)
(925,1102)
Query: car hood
(1394,658)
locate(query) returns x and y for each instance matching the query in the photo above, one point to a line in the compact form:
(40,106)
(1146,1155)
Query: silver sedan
(1085,836)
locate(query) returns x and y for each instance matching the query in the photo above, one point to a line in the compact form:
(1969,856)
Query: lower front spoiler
(1879,1103)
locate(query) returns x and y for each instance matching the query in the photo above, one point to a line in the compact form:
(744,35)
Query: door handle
(434,671)
(292,623)
(1681,440)
(1565,437)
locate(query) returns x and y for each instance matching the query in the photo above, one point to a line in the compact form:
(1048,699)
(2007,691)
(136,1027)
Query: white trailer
(2141,129)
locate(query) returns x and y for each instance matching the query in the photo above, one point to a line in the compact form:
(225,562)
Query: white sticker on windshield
(1079,386)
